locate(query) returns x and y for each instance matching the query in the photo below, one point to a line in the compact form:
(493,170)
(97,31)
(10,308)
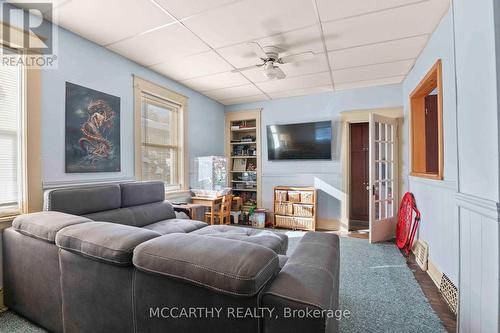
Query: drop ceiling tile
(292,42)
(216,81)
(378,53)
(248,99)
(336,9)
(250,20)
(369,83)
(372,72)
(294,83)
(317,64)
(403,22)
(233,92)
(104,22)
(184,8)
(197,65)
(301,92)
(162,45)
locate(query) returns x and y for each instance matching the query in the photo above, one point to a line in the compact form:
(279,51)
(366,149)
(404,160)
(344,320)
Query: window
(426,126)
(160,153)
(10,139)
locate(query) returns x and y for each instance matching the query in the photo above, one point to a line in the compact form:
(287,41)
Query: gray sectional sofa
(114,258)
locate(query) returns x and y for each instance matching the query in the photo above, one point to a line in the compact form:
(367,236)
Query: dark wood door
(359,171)
(431,134)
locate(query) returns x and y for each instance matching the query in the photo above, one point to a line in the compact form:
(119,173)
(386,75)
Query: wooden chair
(223,213)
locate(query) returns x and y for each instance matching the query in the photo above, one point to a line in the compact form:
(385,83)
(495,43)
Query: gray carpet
(376,286)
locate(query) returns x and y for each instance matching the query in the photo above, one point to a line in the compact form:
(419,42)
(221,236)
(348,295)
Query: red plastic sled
(405,229)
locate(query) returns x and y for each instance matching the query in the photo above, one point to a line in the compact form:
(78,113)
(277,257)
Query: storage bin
(284,221)
(303,210)
(307,197)
(281,195)
(294,196)
(304,223)
(283,208)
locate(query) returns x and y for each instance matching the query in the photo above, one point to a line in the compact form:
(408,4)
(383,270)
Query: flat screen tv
(305,141)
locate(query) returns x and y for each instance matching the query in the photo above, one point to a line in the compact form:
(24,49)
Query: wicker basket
(303,210)
(304,223)
(294,196)
(307,197)
(281,195)
(284,221)
(283,208)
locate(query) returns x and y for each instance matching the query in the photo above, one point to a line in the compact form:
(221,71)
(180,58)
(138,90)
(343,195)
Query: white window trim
(145,86)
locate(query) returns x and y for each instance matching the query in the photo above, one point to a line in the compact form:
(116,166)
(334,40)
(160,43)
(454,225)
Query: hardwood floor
(433,295)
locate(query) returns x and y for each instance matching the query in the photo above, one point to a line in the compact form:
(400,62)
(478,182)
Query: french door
(383,180)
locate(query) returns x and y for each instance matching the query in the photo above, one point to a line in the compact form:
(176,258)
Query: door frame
(361,116)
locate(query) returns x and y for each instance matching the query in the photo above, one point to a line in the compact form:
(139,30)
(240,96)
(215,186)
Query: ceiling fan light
(270,71)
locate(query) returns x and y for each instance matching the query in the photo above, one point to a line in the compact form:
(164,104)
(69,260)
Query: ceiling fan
(269,55)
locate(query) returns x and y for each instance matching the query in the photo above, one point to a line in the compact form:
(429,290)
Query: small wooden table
(207,202)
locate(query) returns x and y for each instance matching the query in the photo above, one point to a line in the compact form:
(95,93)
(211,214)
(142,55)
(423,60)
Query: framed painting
(92,130)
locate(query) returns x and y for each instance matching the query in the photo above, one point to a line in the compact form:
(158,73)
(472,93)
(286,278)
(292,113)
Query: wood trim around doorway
(358,116)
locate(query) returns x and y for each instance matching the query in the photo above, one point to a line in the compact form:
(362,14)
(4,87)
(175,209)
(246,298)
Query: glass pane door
(383,177)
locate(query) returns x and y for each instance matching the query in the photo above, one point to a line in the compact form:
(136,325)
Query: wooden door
(359,195)
(383,178)
(431,134)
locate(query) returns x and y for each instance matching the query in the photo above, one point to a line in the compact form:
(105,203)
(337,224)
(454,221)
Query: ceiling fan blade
(296,57)
(258,50)
(237,70)
(280,74)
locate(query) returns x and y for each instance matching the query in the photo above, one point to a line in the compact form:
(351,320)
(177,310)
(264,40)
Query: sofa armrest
(305,294)
(45,225)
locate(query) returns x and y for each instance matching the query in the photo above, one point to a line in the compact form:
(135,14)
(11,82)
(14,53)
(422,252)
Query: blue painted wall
(86,63)
(325,106)
(436,198)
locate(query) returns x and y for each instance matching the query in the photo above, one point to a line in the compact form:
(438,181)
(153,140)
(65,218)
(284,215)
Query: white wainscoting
(439,222)
(479,261)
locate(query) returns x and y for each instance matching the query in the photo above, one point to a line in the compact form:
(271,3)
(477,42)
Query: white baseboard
(328,224)
(435,274)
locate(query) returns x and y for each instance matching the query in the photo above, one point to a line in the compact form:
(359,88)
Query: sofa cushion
(137,216)
(121,216)
(108,242)
(224,265)
(83,200)
(45,225)
(139,193)
(175,226)
(275,241)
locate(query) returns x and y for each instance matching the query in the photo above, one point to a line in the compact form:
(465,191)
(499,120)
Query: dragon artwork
(96,131)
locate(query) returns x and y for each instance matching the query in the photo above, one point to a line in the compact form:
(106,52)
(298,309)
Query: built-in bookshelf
(244,155)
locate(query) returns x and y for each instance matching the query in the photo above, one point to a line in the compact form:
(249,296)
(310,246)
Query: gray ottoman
(274,241)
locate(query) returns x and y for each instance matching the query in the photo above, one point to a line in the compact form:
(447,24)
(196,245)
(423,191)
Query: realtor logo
(28,35)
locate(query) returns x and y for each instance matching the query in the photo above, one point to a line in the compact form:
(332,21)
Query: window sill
(426,175)
(6,221)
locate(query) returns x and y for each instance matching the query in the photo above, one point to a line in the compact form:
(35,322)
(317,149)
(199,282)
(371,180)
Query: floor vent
(449,292)
(421,252)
